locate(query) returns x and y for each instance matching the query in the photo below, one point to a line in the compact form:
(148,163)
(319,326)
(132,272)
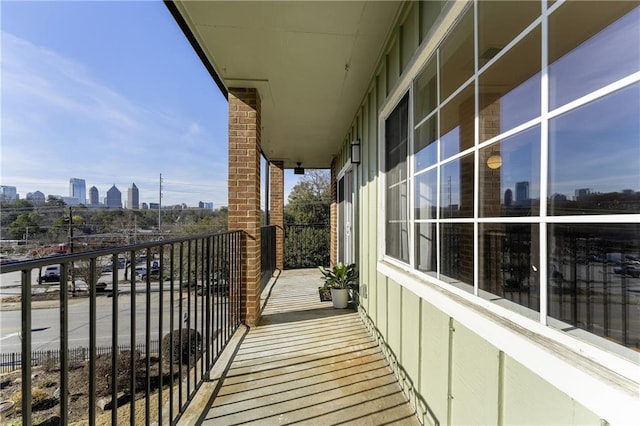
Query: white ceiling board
(296,55)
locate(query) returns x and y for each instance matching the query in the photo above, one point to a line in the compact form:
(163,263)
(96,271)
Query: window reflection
(510,88)
(456,252)
(426,148)
(425,91)
(456,188)
(456,56)
(510,176)
(426,254)
(509,262)
(591,44)
(426,185)
(499,22)
(594,279)
(594,156)
(456,123)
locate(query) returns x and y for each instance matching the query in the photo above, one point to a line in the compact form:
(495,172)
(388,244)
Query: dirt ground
(45,387)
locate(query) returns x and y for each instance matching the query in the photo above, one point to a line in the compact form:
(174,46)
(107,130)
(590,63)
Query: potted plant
(340,279)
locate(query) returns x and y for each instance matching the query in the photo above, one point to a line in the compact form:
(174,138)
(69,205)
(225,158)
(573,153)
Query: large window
(524,157)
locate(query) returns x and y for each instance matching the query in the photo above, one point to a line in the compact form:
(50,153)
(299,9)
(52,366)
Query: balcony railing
(267,254)
(176,303)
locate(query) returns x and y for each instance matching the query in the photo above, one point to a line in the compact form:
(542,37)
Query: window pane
(510,176)
(426,194)
(426,148)
(397,202)
(426,254)
(425,94)
(509,262)
(396,143)
(594,156)
(499,22)
(456,56)
(594,279)
(591,44)
(456,124)
(456,252)
(510,88)
(456,188)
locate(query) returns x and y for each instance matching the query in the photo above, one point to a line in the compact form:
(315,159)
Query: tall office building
(114,198)
(78,190)
(133,198)
(94,196)
(522,192)
(8,193)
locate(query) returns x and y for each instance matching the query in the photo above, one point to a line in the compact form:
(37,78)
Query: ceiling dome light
(494,162)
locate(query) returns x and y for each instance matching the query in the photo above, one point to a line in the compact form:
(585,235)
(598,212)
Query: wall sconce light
(494,161)
(355,152)
(298,170)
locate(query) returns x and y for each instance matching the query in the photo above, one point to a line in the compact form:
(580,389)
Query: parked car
(141,270)
(627,269)
(7,260)
(109,266)
(51,274)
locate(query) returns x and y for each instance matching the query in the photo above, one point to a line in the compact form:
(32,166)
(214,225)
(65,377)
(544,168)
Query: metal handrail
(201,278)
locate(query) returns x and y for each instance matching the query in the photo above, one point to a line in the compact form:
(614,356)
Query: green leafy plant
(341,276)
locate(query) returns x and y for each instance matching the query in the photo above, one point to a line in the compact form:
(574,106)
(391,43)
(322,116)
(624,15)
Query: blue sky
(110,92)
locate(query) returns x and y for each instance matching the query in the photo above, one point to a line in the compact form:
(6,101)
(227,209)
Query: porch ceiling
(310,61)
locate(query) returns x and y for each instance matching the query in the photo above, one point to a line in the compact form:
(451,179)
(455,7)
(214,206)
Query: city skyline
(102,195)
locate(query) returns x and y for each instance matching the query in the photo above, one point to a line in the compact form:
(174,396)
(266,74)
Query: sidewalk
(307,363)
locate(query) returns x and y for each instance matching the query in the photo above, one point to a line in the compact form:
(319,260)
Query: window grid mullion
(476,140)
(544,171)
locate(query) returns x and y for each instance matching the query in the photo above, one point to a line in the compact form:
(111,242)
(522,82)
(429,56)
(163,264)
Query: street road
(46,322)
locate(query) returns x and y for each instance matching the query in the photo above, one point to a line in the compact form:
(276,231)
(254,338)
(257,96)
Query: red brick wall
(244,190)
(276,208)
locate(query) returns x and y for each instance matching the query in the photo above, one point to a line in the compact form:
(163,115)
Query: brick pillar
(333,216)
(244,191)
(276,208)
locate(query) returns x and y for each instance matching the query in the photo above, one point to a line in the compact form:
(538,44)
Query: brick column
(276,208)
(333,216)
(244,191)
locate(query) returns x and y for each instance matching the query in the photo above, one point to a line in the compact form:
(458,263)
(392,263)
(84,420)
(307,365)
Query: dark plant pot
(325,294)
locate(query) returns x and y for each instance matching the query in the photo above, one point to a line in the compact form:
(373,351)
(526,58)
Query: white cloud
(58,121)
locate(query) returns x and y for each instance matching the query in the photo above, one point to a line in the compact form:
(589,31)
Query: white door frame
(346,210)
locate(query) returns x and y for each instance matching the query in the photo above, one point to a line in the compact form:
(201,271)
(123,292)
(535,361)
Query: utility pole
(160,206)
(73,269)
(70,230)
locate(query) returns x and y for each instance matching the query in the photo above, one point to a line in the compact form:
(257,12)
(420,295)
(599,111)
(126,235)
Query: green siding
(409,36)
(381,306)
(434,339)
(528,399)
(475,379)
(394,317)
(410,354)
(393,64)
